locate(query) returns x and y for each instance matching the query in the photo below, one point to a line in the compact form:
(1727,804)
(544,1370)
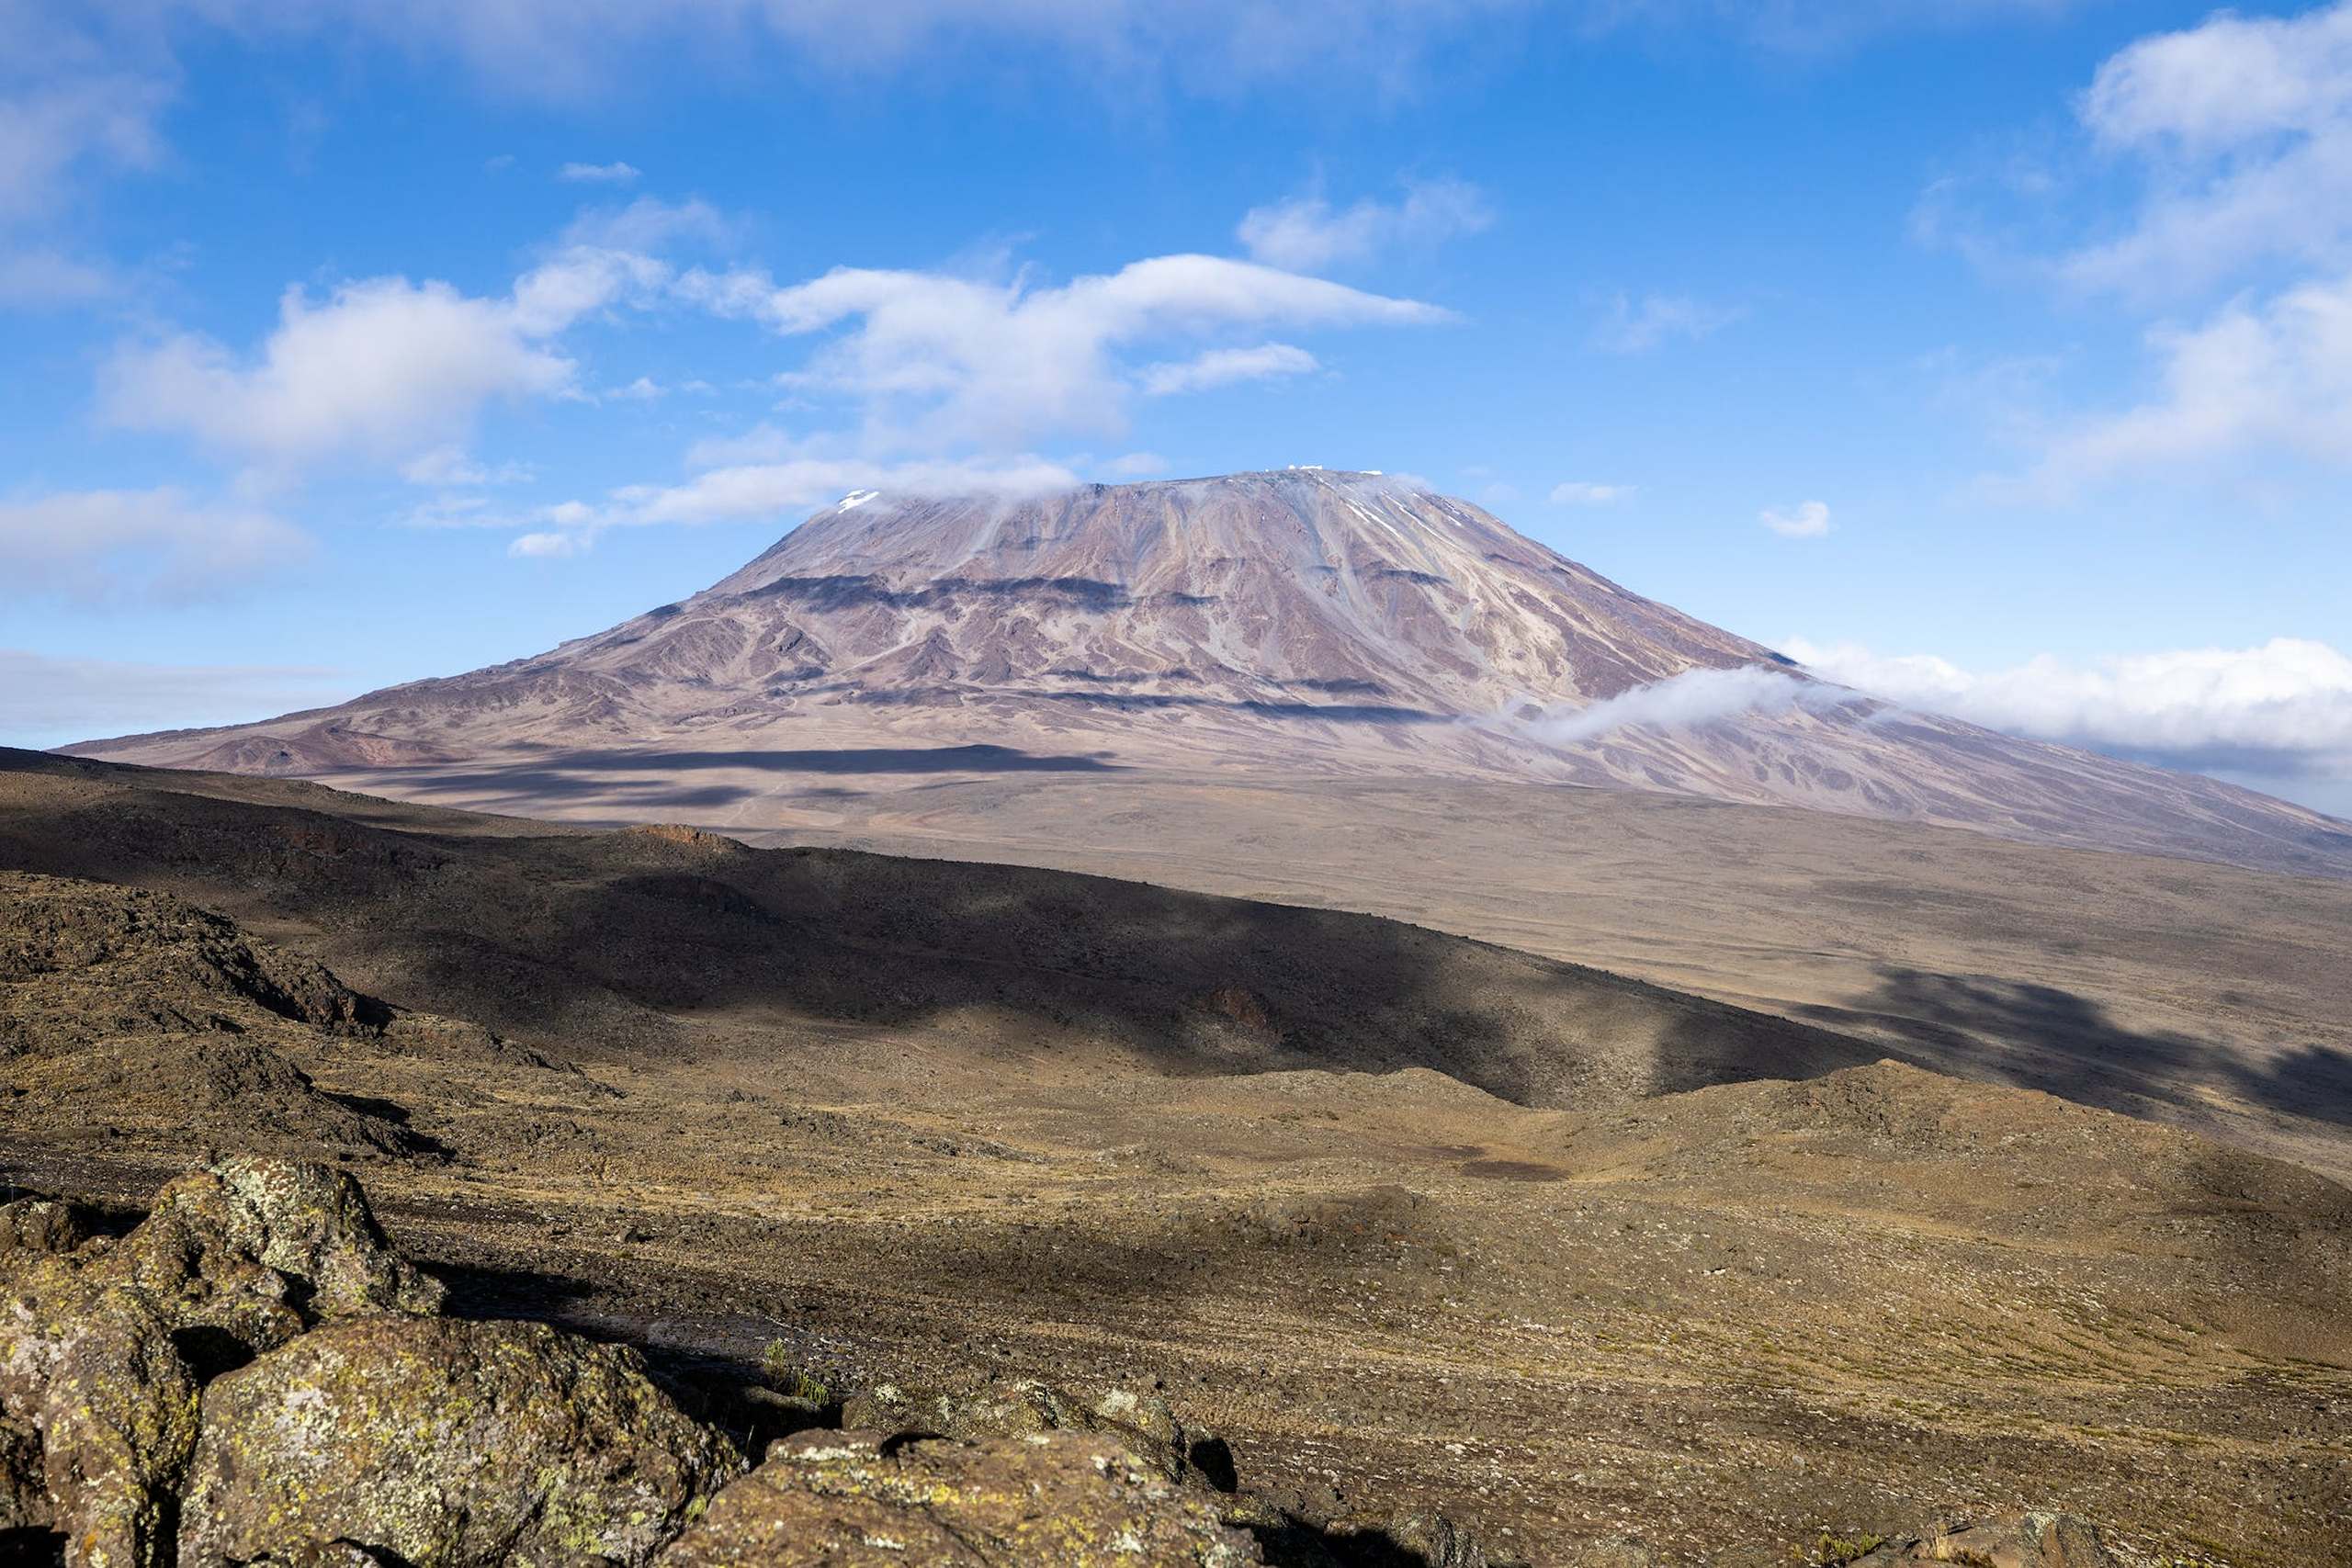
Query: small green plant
(785,1375)
(1835,1551)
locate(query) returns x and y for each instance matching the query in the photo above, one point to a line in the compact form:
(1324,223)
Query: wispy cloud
(127,546)
(1806,520)
(1689,701)
(1580,493)
(938,360)
(599,173)
(1307,233)
(1638,326)
(1224,366)
(49,701)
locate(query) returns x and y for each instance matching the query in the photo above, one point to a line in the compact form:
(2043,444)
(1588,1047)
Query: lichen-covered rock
(40,1224)
(444,1444)
(1048,1499)
(96,1394)
(24,1495)
(1143,1424)
(2013,1540)
(261,1249)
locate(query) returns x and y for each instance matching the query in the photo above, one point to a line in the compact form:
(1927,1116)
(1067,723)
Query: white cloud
(648,225)
(1578,492)
(599,173)
(118,546)
(383,367)
(42,278)
(1135,465)
(939,360)
(1688,701)
(1637,326)
(2259,374)
(2279,709)
(47,701)
(544,546)
(1306,233)
(644,390)
(1224,366)
(2245,127)
(1807,520)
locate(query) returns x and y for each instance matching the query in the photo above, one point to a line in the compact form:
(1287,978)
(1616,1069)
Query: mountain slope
(1305,621)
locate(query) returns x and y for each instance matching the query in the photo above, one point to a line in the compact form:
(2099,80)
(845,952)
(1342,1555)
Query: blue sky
(1993,354)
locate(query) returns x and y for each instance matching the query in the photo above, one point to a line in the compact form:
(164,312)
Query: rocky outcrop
(103,1346)
(1141,1423)
(2012,1540)
(444,1444)
(125,1012)
(260,1249)
(851,1500)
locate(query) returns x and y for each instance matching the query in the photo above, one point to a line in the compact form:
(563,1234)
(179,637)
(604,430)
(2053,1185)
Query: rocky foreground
(253,1375)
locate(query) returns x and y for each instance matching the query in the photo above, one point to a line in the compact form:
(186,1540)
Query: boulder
(2011,1540)
(1048,1499)
(444,1444)
(258,1249)
(1142,1424)
(40,1224)
(97,1413)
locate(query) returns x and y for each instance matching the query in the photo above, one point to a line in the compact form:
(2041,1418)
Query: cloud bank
(2282,709)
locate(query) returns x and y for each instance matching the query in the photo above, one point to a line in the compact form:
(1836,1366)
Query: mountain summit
(1304,620)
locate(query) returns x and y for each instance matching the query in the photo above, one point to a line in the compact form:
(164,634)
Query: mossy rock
(1046,1500)
(445,1444)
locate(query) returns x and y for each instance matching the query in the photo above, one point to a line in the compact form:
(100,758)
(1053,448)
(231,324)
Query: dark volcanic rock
(40,1224)
(843,1499)
(444,1444)
(1142,1424)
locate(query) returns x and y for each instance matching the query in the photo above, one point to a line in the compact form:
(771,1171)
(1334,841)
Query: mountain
(1302,622)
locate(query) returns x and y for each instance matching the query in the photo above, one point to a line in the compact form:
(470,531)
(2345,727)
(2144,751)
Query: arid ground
(1605,1270)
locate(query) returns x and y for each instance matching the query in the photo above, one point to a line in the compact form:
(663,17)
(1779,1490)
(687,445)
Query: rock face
(845,1498)
(1291,623)
(444,1444)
